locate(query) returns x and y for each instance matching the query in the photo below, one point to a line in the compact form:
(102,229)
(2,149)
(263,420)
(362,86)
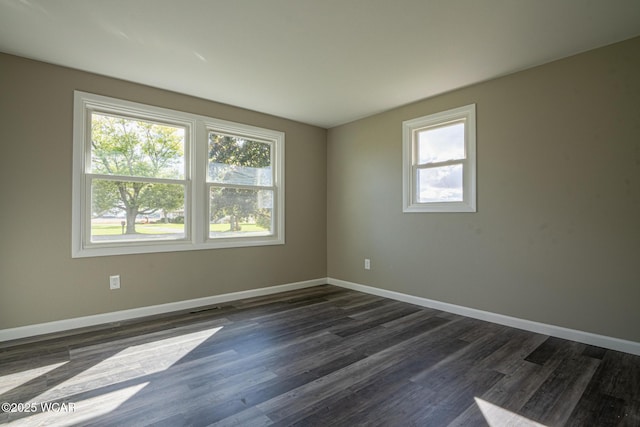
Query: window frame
(195,180)
(410,166)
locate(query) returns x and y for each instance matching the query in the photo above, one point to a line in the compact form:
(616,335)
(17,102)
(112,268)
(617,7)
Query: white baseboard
(631,347)
(118,316)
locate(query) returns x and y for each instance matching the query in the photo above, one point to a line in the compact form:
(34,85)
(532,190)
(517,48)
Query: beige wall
(40,282)
(556,238)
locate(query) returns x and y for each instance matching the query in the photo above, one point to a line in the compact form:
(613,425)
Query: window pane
(239,212)
(134,211)
(241,161)
(441,144)
(131,147)
(441,184)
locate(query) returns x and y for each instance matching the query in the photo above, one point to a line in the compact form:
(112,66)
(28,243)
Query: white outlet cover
(114,282)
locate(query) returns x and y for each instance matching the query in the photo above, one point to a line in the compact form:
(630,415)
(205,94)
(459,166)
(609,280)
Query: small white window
(149,179)
(439,162)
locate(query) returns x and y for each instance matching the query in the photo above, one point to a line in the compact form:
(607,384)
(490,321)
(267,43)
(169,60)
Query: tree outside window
(241,193)
(125,154)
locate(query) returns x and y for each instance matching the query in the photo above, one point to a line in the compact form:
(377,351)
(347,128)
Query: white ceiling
(323,62)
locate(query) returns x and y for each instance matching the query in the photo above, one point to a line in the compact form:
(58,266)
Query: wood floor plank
(545,351)
(374,320)
(303,400)
(510,393)
(315,357)
(595,352)
(554,401)
(456,397)
(251,417)
(508,358)
(458,363)
(599,409)
(613,395)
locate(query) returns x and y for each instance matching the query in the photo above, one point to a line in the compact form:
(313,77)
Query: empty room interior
(320,213)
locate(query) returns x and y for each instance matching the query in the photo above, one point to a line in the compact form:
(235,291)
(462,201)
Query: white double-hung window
(439,162)
(150,179)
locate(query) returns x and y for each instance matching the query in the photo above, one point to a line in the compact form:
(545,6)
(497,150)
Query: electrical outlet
(114,282)
(367,264)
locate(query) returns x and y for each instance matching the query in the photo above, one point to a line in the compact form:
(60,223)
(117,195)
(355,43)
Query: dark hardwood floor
(322,356)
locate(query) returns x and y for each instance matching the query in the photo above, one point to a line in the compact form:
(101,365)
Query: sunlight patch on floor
(133,362)
(500,417)
(76,413)
(11,381)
